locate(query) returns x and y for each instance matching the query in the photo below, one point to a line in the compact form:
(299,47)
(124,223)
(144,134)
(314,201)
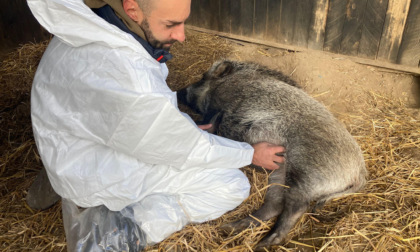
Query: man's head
(161,20)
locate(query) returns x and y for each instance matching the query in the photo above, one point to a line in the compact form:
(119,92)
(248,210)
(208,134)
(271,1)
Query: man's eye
(170,25)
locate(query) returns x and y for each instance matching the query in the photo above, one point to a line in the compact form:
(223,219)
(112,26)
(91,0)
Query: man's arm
(265,155)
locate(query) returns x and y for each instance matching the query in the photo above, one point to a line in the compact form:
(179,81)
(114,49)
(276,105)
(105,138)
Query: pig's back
(322,156)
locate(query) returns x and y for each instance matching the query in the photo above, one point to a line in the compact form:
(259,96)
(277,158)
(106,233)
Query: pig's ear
(221,70)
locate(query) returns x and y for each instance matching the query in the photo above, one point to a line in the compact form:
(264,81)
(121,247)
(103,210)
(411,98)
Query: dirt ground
(341,84)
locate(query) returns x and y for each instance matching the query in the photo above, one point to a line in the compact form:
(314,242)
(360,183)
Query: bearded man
(109,132)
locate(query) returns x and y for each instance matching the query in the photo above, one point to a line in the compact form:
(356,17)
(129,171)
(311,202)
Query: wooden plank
(318,24)
(287,21)
(373,24)
(195,13)
(352,29)
(410,47)
(225,17)
(335,22)
(273,19)
(214,14)
(265,42)
(260,18)
(392,34)
(204,13)
(303,16)
(247,17)
(235,13)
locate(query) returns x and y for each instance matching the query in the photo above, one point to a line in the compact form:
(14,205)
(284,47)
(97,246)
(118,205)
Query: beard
(158,44)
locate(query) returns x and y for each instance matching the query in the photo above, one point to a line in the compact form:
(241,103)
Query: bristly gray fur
(252,103)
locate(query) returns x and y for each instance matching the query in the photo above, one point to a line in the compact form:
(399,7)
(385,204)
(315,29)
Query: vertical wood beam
(352,29)
(225,16)
(214,6)
(195,13)
(247,17)
(392,34)
(318,24)
(273,20)
(204,14)
(303,17)
(260,18)
(287,21)
(410,48)
(373,24)
(235,14)
(335,23)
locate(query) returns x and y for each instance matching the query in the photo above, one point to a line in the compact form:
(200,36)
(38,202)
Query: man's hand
(205,127)
(267,155)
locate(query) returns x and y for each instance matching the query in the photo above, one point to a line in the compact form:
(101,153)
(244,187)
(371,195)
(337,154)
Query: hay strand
(384,216)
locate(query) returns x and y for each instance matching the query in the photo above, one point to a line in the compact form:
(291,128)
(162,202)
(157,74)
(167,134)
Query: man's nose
(179,33)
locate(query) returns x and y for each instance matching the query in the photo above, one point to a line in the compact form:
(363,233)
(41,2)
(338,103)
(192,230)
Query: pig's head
(198,95)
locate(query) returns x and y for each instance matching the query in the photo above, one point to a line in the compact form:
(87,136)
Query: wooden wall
(18,25)
(383,30)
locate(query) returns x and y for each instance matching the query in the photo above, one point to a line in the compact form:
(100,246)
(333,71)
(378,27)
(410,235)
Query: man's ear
(132,10)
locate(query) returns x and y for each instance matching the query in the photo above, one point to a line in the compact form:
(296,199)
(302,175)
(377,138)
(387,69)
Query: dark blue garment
(108,14)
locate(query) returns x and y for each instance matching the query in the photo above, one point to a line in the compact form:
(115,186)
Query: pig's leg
(294,207)
(272,207)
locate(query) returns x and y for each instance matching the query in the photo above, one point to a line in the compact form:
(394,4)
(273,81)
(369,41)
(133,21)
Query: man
(108,128)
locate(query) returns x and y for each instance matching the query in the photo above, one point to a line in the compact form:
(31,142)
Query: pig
(251,103)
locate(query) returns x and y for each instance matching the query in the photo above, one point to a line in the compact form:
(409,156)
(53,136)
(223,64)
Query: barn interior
(359,58)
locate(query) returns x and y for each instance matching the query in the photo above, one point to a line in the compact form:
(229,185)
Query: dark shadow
(18,26)
(416,91)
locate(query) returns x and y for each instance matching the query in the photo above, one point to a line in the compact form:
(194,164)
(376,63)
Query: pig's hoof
(227,229)
(235,227)
(268,241)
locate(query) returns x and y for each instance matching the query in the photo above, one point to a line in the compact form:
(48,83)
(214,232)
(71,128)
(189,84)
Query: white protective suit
(109,132)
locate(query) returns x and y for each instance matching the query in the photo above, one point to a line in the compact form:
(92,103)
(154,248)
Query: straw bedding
(384,216)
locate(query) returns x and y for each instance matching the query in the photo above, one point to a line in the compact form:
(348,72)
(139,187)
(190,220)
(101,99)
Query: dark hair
(146,6)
